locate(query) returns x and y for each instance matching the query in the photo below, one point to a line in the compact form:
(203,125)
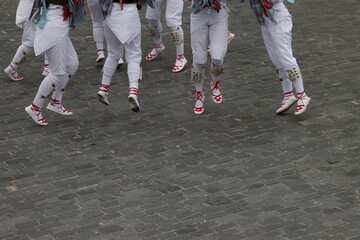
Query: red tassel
(216,6)
(121,4)
(65,12)
(266,4)
(265,12)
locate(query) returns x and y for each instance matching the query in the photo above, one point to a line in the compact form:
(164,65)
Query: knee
(218,52)
(56,79)
(97,24)
(154,22)
(173,21)
(115,56)
(177,35)
(217,62)
(73,68)
(200,58)
(217,67)
(26,49)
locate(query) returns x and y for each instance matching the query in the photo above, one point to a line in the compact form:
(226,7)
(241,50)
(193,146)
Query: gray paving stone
(236,172)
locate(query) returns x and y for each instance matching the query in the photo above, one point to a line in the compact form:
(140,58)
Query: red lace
(286,95)
(37,109)
(301,96)
(14,72)
(156,47)
(105,88)
(179,57)
(199,97)
(133,91)
(215,85)
(55,102)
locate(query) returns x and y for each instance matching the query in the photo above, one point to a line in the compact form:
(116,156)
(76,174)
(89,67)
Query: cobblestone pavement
(236,172)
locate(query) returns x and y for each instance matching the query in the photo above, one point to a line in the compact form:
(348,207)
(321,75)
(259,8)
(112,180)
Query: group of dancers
(46,25)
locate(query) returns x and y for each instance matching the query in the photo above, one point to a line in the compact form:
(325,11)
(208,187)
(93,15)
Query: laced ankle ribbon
(199,97)
(133,91)
(38,110)
(301,96)
(179,57)
(286,95)
(57,104)
(14,72)
(156,47)
(215,85)
(104,88)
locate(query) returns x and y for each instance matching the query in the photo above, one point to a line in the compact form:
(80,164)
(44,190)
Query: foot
(230,36)
(216,93)
(199,102)
(35,113)
(56,106)
(133,99)
(180,63)
(11,71)
(288,100)
(46,70)
(103,94)
(158,48)
(302,102)
(101,56)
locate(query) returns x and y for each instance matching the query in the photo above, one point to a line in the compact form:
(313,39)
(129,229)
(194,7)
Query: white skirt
(125,24)
(55,29)
(23,12)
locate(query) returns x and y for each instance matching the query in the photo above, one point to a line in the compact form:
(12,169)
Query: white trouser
(61,54)
(205,27)
(54,40)
(54,30)
(119,36)
(95,10)
(114,45)
(63,61)
(173,13)
(97,22)
(277,38)
(28,34)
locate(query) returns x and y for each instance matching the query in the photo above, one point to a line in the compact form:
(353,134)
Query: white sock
(285,82)
(157,24)
(109,70)
(199,86)
(46,60)
(59,90)
(43,92)
(99,38)
(133,72)
(299,86)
